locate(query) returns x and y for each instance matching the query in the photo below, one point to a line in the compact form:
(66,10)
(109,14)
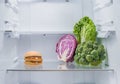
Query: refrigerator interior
(38,25)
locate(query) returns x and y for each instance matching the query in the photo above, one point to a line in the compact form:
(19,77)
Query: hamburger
(33,58)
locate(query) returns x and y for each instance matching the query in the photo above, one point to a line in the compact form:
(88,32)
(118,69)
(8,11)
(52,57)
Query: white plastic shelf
(105,28)
(103,34)
(44,32)
(12,4)
(100,4)
(29,1)
(16,34)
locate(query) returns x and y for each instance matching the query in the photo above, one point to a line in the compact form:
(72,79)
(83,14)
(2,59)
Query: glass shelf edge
(14,34)
(63,70)
(44,32)
(33,1)
(57,66)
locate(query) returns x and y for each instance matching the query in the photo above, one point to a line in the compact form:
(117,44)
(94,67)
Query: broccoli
(85,47)
(79,54)
(101,50)
(89,44)
(95,46)
(83,55)
(101,46)
(94,52)
(102,57)
(81,48)
(83,61)
(95,62)
(83,43)
(76,58)
(86,51)
(96,43)
(90,53)
(90,49)
(89,58)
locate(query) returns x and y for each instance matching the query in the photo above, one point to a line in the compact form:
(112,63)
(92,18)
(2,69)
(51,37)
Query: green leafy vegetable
(88,51)
(87,54)
(85,30)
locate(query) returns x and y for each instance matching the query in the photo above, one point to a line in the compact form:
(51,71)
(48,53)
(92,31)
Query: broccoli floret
(83,61)
(86,51)
(85,47)
(101,46)
(76,58)
(83,43)
(95,46)
(79,49)
(76,51)
(79,54)
(96,43)
(94,52)
(78,46)
(89,44)
(95,55)
(90,49)
(103,57)
(101,50)
(83,55)
(89,58)
(95,62)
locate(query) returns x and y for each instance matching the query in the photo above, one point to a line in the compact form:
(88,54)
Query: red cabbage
(65,48)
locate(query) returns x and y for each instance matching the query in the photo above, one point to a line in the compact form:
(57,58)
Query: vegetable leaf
(85,30)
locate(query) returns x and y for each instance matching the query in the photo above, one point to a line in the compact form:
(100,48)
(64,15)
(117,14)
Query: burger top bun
(32,53)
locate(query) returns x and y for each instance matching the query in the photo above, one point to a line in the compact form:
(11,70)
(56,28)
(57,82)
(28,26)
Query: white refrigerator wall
(52,16)
(112,43)
(34,18)
(46,16)
(7,46)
